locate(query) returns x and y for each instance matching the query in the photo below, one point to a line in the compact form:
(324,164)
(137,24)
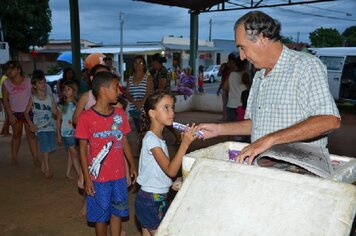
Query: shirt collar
(280,65)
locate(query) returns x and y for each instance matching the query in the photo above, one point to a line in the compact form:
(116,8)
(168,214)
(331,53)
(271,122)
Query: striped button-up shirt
(295,89)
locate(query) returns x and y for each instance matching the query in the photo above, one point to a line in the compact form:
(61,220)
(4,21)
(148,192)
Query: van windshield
(333,63)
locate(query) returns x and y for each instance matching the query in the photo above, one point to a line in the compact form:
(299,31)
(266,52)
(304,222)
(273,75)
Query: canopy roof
(196,5)
(228,5)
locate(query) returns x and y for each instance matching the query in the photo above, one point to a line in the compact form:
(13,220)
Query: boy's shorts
(110,198)
(69,141)
(46,141)
(150,209)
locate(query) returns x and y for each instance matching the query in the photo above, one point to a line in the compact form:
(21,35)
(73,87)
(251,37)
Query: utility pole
(121,52)
(210,24)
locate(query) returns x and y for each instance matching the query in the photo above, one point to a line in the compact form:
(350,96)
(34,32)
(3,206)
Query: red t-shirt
(105,136)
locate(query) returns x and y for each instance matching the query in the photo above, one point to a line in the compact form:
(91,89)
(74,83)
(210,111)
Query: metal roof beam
(225,6)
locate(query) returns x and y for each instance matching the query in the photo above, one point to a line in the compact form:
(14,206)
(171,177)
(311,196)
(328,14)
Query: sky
(100,21)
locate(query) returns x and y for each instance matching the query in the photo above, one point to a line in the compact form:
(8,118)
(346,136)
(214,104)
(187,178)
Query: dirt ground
(33,205)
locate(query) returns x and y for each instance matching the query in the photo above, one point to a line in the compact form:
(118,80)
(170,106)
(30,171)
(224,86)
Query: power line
(322,16)
(347,13)
(317,15)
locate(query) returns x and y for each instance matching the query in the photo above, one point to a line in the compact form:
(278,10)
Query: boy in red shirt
(104,128)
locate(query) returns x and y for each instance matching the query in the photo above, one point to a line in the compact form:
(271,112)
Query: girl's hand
(33,128)
(12,119)
(133,174)
(89,187)
(189,134)
(59,139)
(138,105)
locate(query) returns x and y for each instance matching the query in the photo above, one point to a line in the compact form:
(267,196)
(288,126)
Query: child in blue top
(44,109)
(65,129)
(155,167)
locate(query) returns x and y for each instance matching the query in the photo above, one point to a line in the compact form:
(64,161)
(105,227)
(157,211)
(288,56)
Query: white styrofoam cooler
(346,172)
(224,198)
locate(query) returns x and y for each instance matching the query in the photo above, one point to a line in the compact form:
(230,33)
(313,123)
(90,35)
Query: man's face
(249,50)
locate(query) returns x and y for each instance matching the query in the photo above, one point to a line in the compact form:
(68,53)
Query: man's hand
(209,130)
(250,152)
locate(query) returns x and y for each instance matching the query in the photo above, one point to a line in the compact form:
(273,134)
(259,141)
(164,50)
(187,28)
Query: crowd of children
(98,124)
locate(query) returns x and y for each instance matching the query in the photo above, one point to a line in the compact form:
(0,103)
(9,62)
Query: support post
(121,51)
(75,37)
(194,22)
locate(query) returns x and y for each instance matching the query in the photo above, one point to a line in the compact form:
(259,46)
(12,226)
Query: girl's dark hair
(94,70)
(14,64)
(74,86)
(150,104)
(157,57)
(101,79)
(64,79)
(65,73)
(144,63)
(201,69)
(37,76)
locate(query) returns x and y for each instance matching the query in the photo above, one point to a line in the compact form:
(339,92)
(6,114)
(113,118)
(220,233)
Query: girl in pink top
(16,92)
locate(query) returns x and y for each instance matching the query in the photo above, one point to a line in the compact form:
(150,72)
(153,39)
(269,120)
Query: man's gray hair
(257,22)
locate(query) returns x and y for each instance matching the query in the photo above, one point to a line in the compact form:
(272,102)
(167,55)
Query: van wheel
(211,79)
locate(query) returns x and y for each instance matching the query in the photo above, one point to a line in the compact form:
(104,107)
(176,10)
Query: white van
(341,65)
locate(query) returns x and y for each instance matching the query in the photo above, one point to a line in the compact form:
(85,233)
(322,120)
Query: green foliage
(25,23)
(325,37)
(286,40)
(53,70)
(350,36)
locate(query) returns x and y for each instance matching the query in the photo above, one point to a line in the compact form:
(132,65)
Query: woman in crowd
(224,72)
(161,80)
(237,82)
(186,83)
(138,88)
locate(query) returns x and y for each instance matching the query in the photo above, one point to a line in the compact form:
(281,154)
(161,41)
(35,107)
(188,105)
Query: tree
(25,23)
(325,37)
(286,40)
(350,36)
